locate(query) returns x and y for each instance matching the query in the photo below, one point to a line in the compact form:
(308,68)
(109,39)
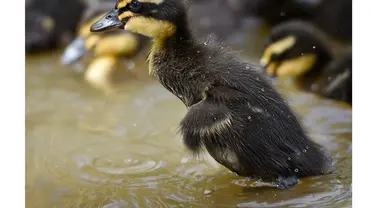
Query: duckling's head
(295,48)
(114,43)
(158,19)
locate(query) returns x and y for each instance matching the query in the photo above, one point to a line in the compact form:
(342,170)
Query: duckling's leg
(99,71)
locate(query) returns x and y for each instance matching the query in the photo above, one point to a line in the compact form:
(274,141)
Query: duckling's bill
(74,51)
(107,22)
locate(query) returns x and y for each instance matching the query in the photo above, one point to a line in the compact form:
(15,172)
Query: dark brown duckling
(50,23)
(233,112)
(299,49)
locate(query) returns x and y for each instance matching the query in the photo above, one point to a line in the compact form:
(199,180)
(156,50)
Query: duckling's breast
(180,75)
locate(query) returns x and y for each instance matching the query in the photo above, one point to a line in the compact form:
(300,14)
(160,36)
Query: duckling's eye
(135,6)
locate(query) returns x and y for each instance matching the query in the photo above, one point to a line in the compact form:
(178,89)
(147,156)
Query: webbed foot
(286,182)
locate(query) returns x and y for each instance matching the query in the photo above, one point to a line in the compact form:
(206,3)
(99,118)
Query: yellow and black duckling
(48,24)
(298,49)
(233,112)
(105,49)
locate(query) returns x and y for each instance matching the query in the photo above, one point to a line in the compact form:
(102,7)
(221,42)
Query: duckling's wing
(208,125)
(204,119)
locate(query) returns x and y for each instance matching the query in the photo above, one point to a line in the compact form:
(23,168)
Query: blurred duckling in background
(103,50)
(232,111)
(298,49)
(49,25)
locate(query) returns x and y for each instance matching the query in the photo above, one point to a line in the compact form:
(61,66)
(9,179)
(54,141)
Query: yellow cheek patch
(157,29)
(277,48)
(122,44)
(126,14)
(297,66)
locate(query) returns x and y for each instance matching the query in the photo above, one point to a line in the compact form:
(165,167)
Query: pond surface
(85,148)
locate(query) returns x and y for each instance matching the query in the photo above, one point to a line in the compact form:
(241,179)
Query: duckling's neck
(180,35)
(177,62)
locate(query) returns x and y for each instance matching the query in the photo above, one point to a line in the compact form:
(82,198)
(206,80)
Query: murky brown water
(87,149)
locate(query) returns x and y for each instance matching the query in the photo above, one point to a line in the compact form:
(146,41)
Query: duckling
(48,25)
(232,111)
(106,49)
(300,50)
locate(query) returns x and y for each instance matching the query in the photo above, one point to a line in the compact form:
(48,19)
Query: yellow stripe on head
(126,14)
(123,3)
(277,48)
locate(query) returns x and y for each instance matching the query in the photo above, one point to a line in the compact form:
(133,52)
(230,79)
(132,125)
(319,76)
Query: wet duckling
(232,111)
(300,50)
(49,25)
(105,50)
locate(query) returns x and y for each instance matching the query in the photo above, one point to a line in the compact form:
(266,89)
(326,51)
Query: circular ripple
(105,163)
